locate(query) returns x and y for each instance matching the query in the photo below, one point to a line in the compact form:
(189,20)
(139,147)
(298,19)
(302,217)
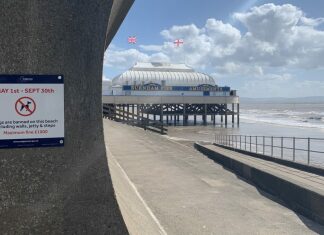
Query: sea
(280,119)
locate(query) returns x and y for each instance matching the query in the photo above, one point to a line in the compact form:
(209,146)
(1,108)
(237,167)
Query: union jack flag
(132,40)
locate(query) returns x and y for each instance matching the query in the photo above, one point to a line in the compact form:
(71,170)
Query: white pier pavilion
(168,93)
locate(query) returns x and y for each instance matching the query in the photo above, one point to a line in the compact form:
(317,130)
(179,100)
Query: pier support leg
(142,115)
(184,114)
(226,115)
(114,113)
(233,112)
(214,119)
(138,114)
(195,119)
(222,118)
(161,113)
(175,120)
(120,113)
(123,112)
(167,116)
(132,114)
(161,119)
(128,113)
(178,116)
(205,114)
(238,114)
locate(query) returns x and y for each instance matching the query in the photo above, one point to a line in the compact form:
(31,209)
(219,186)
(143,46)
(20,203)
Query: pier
(171,95)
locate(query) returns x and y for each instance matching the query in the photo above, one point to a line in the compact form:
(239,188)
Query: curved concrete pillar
(60,190)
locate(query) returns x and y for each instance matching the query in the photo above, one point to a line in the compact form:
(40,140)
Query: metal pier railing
(308,151)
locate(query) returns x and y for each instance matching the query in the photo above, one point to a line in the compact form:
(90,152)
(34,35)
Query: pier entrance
(133,115)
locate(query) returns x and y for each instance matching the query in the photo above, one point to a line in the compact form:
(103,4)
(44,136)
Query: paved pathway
(186,193)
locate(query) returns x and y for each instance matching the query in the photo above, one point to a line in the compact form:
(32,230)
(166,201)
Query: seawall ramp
(301,191)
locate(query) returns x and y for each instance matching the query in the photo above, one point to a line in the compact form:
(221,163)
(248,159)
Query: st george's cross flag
(178,42)
(132,40)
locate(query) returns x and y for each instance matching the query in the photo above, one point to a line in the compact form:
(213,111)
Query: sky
(260,48)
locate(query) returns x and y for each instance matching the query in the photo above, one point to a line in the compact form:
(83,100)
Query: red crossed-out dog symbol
(25,106)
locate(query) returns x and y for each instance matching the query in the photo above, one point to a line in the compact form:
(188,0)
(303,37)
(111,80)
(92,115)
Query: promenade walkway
(164,186)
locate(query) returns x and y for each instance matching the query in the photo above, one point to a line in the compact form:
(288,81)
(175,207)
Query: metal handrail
(277,147)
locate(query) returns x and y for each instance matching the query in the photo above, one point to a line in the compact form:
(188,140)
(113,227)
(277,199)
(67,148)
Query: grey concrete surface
(60,190)
(191,194)
(308,180)
(136,214)
(302,191)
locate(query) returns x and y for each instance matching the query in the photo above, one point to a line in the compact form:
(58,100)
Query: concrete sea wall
(61,190)
(301,199)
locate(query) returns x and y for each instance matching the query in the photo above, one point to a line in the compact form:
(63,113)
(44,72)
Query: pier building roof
(172,74)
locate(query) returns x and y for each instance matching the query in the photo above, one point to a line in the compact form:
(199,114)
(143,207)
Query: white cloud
(276,37)
(104,78)
(277,77)
(282,86)
(155,48)
(222,34)
(311,22)
(175,32)
(311,85)
(269,22)
(159,57)
(280,36)
(231,68)
(122,59)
